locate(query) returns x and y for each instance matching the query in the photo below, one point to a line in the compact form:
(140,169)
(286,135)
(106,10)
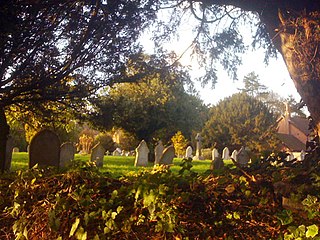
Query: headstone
(117,152)
(198,139)
(167,155)
(234,155)
(189,152)
(9,148)
(67,151)
(217,163)
(158,150)
(97,154)
(215,154)
(243,156)
(142,152)
(290,157)
(44,149)
(225,153)
(15,150)
(123,153)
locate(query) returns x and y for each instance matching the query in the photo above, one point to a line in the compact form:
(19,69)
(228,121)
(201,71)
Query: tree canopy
(240,120)
(55,50)
(155,106)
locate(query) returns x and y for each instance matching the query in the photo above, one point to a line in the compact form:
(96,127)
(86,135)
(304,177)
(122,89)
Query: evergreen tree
(240,120)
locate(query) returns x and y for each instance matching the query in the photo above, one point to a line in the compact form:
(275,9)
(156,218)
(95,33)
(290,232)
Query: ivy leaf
(312,231)
(74,227)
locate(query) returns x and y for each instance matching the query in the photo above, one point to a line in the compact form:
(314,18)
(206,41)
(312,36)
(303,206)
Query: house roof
(291,142)
(301,123)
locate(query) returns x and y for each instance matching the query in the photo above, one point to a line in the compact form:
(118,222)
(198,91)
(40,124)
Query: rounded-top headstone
(44,149)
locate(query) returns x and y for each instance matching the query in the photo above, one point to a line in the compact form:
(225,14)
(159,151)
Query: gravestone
(290,157)
(215,154)
(302,155)
(9,148)
(142,152)
(198,155)
(217,162)
(234,155)
(97,154)
(116,152)
(123,153)
(67,151)
(167,155)
(225,153)
(158,150)
(44,149)
(15,150)
(243,156)
(189,152)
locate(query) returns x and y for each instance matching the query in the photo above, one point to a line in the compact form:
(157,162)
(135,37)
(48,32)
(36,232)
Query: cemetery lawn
(116,165)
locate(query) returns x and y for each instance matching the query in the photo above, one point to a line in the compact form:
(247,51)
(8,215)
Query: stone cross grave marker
(167,155)
(158,150)
(225,153)
(44,149)
(189,152)
(67,151)
(142,152)
(97,154)
(198,139)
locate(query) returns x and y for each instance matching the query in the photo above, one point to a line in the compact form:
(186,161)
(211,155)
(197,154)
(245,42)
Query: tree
(240,120)
(274,101)
(180,143)
(289,26)
(253,87)
(57,50)
(155,107)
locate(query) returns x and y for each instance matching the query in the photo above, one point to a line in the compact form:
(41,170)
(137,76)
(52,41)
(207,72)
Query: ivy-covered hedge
(237,203)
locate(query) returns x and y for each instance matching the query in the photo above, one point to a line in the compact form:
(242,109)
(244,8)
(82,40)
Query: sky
(275,75)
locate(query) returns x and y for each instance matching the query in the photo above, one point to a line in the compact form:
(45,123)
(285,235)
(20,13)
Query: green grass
(116,165)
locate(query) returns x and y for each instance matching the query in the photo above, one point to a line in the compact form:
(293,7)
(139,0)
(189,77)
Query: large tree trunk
(4,133)
(298,41)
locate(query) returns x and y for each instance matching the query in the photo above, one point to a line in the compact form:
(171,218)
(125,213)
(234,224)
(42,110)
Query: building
(293,131)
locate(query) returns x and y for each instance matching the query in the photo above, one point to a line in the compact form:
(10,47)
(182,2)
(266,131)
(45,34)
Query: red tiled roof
(291,142)
(301,123)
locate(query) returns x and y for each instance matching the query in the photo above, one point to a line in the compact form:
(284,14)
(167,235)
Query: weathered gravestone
(217,162)
(234,155)
(158,150)
(97,154)
(243,156)
(116,152)
(44,149)
(15,150)
(67,151)
(9,147)
(215,154)
(142,152)
(198,155)
(189,152)
(167,155)
(226,153)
